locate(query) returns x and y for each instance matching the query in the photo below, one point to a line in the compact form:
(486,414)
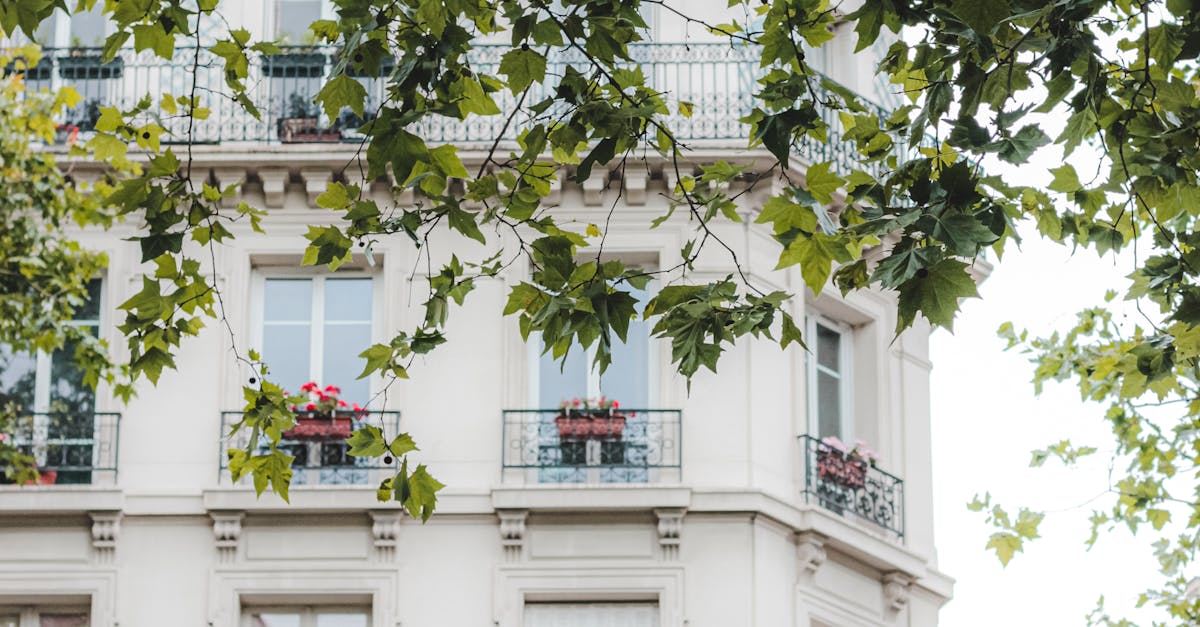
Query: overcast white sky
(986,420)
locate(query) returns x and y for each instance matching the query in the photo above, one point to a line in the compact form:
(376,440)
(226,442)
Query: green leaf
(935,292)
(423,494)
(342,91)
(1065,179)
(402,444)
(523,67)
(815,254)
(981,15)
(1005,545)
(367,442)
(822,183)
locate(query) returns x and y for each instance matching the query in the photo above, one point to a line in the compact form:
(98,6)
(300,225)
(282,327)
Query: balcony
(319,446)
(851,487)
(71,448)
(551,446)
(717,78)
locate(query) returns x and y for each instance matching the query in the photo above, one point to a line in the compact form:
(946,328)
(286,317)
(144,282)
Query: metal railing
(321,453)
(70,448)
(718,79)
(849,485)
(625,446)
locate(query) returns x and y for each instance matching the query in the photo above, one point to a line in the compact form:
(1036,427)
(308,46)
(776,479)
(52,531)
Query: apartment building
(722,506)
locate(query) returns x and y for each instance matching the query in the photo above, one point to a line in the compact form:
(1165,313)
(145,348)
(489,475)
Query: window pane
(87,28)
(295,16)
(18,373)
(68,393)
(348,300)
(287,299)
(274,619)
(90,310)
(829,405)
(554,384)
(63,620)
(342,619)
(591,615)
(829,344)
(343,344)
(287,350)
(9,620)
(627,378)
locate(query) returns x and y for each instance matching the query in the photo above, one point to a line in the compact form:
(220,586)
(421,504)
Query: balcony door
(56,409)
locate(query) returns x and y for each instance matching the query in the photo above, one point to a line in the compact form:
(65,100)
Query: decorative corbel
(227,530)
(226,177)
(896,587)
(810,553)
(106,527)
(636,179)
(316,181)
(512,533)
(274,183)
(385,530)
(593,188)
(670,526)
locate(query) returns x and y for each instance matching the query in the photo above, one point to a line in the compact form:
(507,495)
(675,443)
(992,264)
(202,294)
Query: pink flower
(293,408)
(3,437)
(356,407)
(333,390)
(616,405)
(341,403)
(575,403)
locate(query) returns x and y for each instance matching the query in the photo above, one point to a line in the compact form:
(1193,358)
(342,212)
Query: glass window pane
(68,393)
(87,27)
(627,379)
(562,381)
(18,374)
(90,310)
(287,349)
(829,405)
(7,620)
(295,16)
(287,299)
(274,619)
(342,619)
(829,344)
(591,615)
(63,620)
(343,344)
(348,300)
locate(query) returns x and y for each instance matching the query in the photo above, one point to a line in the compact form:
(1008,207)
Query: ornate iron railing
(321,453)
(624,446)
(850,486)
(718,79)
(71,448)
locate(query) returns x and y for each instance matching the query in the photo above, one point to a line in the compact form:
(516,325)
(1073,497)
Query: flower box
(846,470)
(306,130)
(584,424)
(320,427)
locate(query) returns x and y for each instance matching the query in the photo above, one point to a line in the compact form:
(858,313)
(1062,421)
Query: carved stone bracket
(316,180)
(385,530)
(106,527)
(274,183)
(226,177)
(227,530)
(593,188)
(636,179)
(512,533)
(896,591)
(670,526)
(810,553)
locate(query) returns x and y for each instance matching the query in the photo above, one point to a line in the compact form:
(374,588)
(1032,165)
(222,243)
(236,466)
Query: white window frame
(30,615)
(845,376)
(308,613)
(535,346)
(317,315)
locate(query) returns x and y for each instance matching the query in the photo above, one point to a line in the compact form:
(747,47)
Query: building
(717,507)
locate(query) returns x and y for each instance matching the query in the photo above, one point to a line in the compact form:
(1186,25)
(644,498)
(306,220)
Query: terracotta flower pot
(314,426)
(590,424)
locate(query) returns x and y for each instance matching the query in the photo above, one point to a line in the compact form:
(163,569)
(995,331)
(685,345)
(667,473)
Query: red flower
(616,405)
(575,403)
(310,407)
(333,390)
(309,387)
(293,408)
(341,403)
(357,408)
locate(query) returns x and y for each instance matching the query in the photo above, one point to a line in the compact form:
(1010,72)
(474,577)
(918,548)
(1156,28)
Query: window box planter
(306,130)
(319,427)
(848,471)
(86,65)
(590,424)
(295,65)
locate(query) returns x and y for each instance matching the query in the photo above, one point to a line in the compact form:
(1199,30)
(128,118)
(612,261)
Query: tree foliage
(983,80)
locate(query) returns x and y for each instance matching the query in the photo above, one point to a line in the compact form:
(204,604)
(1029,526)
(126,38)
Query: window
(293,17)
(58,427)
(49,616)
(313,329)
(319,616)
(829,379)
(591,615)
(79,29)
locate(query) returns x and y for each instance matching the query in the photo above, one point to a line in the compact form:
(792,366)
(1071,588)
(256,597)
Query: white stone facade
(732,533)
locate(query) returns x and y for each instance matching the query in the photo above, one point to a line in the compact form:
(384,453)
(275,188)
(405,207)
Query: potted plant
(843,464)
(324,416)
(88,63)
(589,418)
(301,122)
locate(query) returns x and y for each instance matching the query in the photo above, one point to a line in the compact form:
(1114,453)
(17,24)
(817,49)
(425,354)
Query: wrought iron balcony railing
(719,79)
(849,485)
(319,445)
(71,448)
(621,446)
